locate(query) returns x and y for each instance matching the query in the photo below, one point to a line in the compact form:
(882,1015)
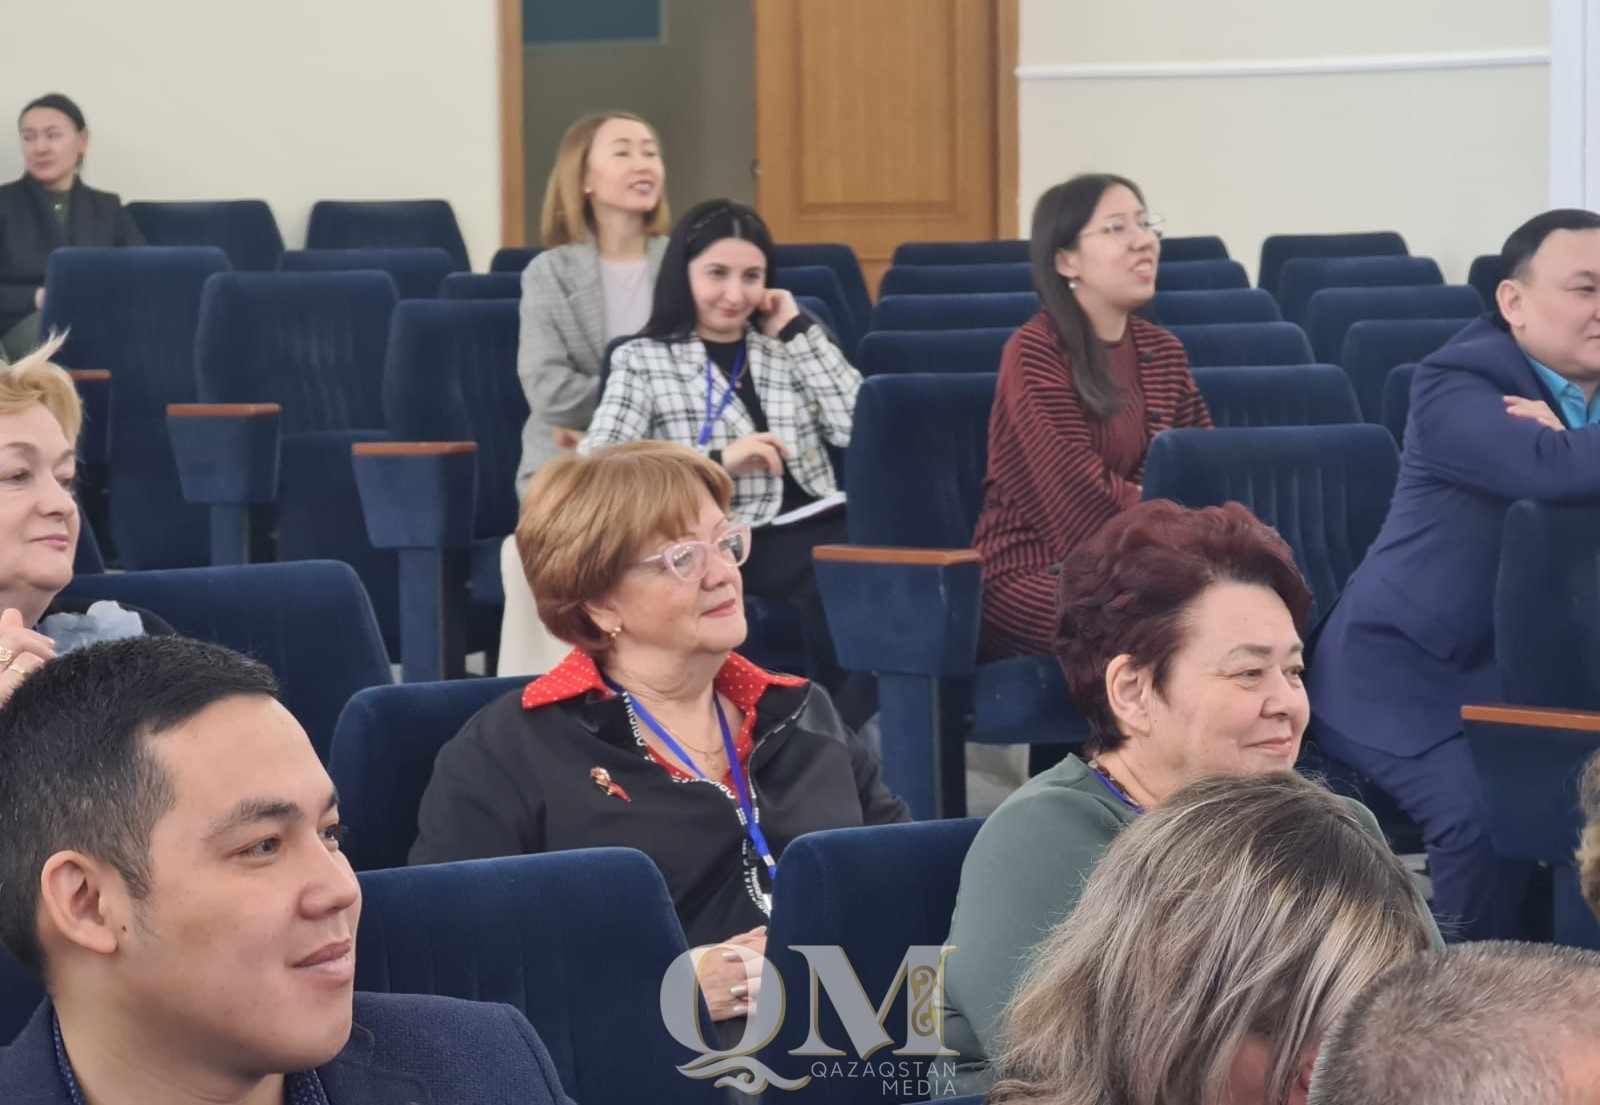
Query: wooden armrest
(88,375)
(222,410)
(412,448)
(868,554)
(1581,720)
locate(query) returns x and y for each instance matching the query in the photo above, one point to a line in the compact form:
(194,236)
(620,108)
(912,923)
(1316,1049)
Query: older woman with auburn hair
(1179,632)
(1213,946)
(653,733)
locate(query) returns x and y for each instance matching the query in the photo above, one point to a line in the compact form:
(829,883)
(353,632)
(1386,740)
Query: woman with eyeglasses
(653,733)
(730,366)
(1083,388)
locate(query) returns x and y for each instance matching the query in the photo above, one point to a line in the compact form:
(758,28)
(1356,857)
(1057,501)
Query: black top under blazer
(29,233)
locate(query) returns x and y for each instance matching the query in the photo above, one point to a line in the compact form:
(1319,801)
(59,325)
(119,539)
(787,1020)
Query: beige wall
(290,101)
(1453,159)
(696,87)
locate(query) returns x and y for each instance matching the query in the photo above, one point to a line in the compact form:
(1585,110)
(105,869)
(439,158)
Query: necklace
(712,753)
(1114,786)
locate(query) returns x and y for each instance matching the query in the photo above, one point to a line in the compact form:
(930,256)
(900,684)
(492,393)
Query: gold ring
(16,666)
(6,656)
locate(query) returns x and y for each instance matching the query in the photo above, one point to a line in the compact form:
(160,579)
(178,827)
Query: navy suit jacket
(405,1049)
(1411,639)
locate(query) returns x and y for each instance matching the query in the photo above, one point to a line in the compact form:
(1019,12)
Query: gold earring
(614,632)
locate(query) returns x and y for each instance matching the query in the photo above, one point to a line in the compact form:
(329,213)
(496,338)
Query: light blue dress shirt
(1575,410)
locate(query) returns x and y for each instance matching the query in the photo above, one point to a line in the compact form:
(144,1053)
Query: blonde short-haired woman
(1214,944)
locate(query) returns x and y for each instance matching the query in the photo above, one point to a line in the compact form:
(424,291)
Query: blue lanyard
(1116,792)
(741,786)
(727,397)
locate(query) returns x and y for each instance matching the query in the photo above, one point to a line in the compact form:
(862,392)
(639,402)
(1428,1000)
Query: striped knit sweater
(1057,473)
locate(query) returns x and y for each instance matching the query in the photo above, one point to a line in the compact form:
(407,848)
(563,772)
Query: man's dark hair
(76,771)
(1527,238)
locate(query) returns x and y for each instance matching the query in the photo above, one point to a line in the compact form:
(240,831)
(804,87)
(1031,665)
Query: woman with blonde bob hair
(1213,946)
(604,229)
(653,733)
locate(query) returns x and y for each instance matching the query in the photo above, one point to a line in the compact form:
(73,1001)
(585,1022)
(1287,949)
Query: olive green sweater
(1024,873)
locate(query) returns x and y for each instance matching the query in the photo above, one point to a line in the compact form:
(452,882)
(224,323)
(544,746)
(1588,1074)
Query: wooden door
(885,121)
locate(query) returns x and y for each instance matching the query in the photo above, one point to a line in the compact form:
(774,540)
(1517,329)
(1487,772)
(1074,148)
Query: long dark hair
(1058,220)
(672,313)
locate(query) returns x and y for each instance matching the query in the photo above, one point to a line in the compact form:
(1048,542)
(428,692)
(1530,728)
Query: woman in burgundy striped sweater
(1083,387)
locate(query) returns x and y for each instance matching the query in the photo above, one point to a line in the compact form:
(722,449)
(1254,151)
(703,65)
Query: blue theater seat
(1485,275)
(482,285)
(902,351)
(872,892)
(957,279)
(243,229)
(1244,343)
(1373,347)
(135,312)
(1333,311)
(1226,305)
(1280,395)
(1397,400)
(1004,251)
(972,311)
(1531,751)
(512,259)
(578,941)
(821,282)
(417,272)
(387,224)
(842,260)
(1303,277)
(1279,248)
(1199,276)
(1200,247)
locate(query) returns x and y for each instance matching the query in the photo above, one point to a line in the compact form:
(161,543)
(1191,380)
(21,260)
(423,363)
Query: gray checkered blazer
(657,391)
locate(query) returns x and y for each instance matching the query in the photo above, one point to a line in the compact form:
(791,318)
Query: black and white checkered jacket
(657,391)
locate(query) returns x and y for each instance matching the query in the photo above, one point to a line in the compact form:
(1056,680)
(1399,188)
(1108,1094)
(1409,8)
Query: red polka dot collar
(740,681)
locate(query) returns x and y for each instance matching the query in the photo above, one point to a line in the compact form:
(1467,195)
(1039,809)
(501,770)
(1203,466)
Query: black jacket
(29,233)
(515,781)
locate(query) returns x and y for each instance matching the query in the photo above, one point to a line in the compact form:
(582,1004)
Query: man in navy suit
(170,865)
(1505,411)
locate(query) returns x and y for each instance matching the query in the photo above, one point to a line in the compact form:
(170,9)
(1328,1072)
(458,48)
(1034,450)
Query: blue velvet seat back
(512,259)
(382,758)
(1244,343)
(1195,247)
(873,892)
(903,351)
(1333,311)
(1227,305)
(417,271)
(387,224)
(820,282)
(1200,276)
(1547,606)
(314,342)
(1278,395)
(1372,347)
(243,229)
(1397,400)
(1484,274)
(136,311)
(997,252)
(1326,489)
(957,279)
(452,376)
(309,621)
(918,453)
(482,285)
(1303,277)
(972,311)
(845,265)
(1278,248)
(20,995)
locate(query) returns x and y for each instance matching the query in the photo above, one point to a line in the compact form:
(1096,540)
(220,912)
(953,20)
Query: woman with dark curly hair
(1180,635)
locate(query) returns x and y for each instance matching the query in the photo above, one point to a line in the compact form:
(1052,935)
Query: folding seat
(1203,308)
(903,351)
(1333,311)
(243,229)
(842,260)
(1278,248)
(820,282)
(1326,489)
(482,285)
(512,259)
(1278,395)
(417,272)
(1303,277)
(290,372)
(1485,275)
(903,597)
(578,941)
(973,311)
(1397,400)
(1373,347)
(1199,276)
(874,893)
(961,253)
(134,312)
(957,279)
(1244,343)
(1530,754)
(387,224)
(1202,247)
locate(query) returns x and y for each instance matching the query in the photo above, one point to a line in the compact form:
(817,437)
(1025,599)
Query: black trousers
(780,568)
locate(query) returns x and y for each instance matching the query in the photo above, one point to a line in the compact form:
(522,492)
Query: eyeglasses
(1121,228)
(691,560)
